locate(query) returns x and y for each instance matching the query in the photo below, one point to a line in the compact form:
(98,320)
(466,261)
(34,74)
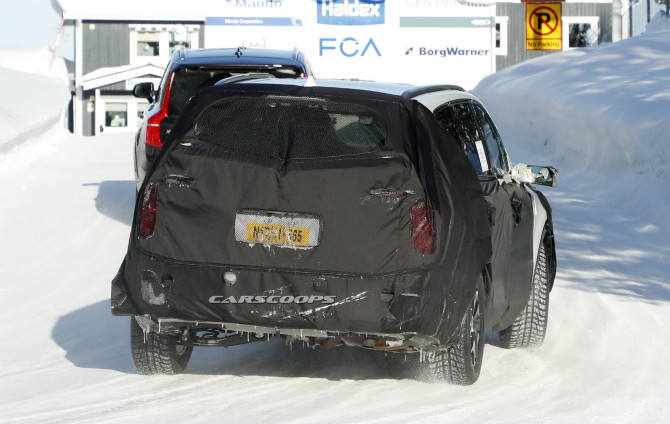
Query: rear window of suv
(188,80)
(281,127)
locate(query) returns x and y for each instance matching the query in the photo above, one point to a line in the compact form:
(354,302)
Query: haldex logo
(326,300)
(350,12)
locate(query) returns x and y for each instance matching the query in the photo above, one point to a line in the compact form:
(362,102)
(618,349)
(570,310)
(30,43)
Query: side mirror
(533,174)
(144,90)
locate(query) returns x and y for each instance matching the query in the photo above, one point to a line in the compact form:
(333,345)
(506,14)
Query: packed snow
(599,115)
(33,102)
(660,22)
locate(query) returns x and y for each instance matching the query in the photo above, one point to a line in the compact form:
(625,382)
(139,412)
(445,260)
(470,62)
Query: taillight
(154,121)
(422,228)
(148,213)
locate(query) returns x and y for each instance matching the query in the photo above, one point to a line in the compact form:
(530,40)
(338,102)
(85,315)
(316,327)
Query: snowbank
(36,62)
(603,109)
(660,22)
(32,105)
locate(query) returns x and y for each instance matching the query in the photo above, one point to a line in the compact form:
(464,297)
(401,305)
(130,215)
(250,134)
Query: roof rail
(418,91)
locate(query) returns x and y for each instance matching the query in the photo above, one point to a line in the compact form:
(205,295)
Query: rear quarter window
(460,122)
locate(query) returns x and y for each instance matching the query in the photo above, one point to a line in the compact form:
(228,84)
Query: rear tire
(461,363)
(155,353)
(530,327)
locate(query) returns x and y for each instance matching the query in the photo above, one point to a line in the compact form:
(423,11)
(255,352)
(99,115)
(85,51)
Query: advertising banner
(411,41)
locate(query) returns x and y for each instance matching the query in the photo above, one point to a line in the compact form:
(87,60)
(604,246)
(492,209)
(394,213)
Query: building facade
(119,44)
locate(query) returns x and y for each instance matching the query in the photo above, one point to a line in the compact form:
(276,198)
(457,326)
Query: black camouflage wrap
(365,260)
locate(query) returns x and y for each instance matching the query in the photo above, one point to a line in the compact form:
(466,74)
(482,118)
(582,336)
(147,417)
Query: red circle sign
(544,20)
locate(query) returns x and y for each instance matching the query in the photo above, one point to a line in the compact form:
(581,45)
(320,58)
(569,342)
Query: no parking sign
(543,26)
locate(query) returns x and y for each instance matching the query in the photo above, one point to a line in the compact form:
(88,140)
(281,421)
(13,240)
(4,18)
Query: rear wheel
(530,326)
(155,353)
(461,363)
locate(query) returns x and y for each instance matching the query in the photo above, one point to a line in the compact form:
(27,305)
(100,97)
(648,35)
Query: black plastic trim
(418,91)
(342,274)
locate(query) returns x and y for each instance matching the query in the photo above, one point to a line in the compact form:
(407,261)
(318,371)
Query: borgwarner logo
(326,300)
(350,12)
(448,51)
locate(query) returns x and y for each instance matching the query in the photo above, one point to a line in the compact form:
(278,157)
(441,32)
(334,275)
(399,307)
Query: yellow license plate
(277,234)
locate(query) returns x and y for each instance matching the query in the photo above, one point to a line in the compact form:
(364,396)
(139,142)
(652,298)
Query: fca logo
(349,46)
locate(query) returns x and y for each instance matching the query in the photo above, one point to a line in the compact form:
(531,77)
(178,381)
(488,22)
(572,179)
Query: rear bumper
(259,331)
(399,307)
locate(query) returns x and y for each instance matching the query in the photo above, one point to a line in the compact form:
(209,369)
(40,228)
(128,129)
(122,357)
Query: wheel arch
(550,249)
(487,277)
(543,231)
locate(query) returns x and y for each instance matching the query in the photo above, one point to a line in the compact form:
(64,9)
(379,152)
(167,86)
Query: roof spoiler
(418,91)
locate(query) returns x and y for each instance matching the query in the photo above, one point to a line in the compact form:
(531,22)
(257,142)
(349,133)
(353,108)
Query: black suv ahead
(191,70)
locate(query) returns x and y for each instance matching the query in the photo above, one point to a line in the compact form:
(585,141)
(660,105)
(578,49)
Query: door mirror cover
(144,90)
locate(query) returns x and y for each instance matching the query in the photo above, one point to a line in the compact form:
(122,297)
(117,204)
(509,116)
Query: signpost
(543,26)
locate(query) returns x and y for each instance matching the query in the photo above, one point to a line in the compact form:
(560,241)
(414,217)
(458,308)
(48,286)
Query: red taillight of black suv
(422,227)
(154,122)
(148,212)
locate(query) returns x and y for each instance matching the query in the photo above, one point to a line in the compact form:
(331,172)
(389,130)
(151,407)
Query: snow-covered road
(65,222)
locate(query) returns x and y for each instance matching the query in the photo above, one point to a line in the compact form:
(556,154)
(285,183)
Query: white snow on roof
(105,76)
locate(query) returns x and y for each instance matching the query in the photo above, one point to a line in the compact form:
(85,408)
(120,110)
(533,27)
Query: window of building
(141,108)
(148,44)
(180,37)
(497,35)
(116,115)
(580,31)
(151,41)
(501,35)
